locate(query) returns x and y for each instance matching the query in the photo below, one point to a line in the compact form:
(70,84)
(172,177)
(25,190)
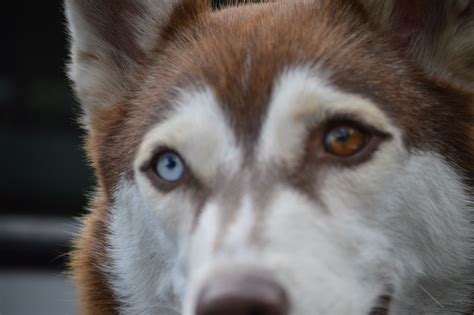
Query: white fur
(145,265)
(302,100)
(398,223)
(197,129)
(235,251)
(237,237)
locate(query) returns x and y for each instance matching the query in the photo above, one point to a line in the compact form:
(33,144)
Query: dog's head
(291,157)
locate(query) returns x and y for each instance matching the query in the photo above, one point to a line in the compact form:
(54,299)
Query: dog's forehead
(241,53)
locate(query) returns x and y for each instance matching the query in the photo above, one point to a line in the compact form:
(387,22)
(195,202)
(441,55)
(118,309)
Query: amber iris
(345,141)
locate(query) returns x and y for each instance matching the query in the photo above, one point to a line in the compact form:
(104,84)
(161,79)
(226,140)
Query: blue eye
(169,167)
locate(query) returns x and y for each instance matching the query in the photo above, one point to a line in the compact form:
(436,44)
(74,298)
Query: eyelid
(361,111)
(355,121)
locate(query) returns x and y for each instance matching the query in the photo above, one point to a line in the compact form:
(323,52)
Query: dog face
(281,158)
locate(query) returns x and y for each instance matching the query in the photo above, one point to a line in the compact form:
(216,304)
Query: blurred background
(44,172)
(45,177)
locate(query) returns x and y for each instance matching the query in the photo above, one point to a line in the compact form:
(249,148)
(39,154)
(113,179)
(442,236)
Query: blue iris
(170,167)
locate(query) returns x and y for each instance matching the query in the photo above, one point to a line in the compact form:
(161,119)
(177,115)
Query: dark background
(45,176)
(44,170)
(44,166)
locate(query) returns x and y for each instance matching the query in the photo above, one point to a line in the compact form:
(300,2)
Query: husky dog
(292,157)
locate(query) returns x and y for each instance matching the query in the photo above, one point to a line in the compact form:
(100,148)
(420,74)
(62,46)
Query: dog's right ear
(112,39)
(438,35)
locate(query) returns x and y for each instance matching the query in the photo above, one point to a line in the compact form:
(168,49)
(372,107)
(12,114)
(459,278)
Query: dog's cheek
(342,262)
(149,241)
(418,202)
(174,228)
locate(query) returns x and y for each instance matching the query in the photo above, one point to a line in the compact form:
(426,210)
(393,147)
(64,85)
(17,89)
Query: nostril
(382,306)
(248,294)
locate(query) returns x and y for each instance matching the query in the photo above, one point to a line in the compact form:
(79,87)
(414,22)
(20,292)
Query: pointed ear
(112,39)
(437,34)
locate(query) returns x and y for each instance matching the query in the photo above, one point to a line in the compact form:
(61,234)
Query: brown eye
(345,140)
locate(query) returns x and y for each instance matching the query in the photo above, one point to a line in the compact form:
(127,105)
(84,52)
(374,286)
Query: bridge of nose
(243,204)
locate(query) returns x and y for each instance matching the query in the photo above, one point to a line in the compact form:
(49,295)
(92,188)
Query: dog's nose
(242,294)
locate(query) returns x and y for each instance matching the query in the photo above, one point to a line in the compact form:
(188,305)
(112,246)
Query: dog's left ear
(437,34)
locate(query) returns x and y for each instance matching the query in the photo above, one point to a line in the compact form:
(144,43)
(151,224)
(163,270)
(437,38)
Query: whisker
(432,297)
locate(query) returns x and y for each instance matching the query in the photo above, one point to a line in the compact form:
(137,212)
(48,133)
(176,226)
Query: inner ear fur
(436,34)
(112,40)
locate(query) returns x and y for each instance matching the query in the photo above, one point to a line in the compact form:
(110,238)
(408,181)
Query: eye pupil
(171,162)
(343,134)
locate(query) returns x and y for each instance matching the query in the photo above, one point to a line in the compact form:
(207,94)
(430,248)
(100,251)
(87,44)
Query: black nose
(242,294)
